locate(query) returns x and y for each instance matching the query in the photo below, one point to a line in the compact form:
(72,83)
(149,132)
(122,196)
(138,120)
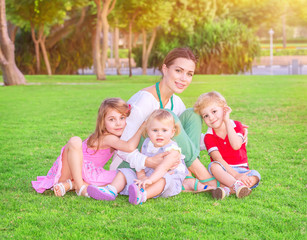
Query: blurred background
(133,36)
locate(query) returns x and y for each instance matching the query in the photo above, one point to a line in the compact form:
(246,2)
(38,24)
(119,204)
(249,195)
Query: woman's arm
(143,104)
(162,169)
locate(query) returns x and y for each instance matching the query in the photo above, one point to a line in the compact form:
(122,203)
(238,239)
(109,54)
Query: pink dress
(92,169)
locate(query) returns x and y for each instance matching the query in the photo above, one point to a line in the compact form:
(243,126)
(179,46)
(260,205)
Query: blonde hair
(163,116)
(207,99)
(108,104)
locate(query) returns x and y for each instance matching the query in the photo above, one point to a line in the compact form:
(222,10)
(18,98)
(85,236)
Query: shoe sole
(133,194)
(243,192)
(97,194)
(218,194)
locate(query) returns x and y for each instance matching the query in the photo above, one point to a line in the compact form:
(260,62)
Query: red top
(231,156)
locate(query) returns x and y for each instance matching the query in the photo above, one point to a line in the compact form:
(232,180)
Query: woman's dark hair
(179,53)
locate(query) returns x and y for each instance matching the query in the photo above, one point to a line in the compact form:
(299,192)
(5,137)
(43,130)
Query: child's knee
(215,166)
(255,181)
(74,143)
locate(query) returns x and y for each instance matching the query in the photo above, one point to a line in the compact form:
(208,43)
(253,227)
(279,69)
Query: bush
(225,47)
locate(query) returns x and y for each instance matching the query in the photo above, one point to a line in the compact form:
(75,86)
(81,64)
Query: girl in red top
(226,147)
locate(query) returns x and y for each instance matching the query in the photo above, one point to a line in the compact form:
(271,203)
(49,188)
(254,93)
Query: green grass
(36,121)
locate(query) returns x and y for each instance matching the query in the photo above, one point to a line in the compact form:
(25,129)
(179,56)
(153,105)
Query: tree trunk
(93,41)
(12,30)
(97,58)
(135,39)
(147,50)
(102,22)
(36,46)
(45,55)
(144,69)
(105,30)
(130,48)
(116,53)
(284,34)
(11,73)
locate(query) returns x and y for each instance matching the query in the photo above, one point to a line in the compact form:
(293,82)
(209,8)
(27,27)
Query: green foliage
(222,47)
(37,120)
(225,47)
(45,13)
(188,14)
(297,13)
(66,57)
(254,13)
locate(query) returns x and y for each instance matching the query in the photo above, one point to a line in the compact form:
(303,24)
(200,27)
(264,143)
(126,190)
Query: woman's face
(178,76)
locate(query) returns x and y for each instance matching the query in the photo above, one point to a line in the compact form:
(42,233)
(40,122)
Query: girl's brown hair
(108,104)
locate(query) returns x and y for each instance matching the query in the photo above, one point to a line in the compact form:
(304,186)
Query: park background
(55,42)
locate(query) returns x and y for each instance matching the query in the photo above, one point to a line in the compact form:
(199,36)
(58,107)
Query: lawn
(36,121)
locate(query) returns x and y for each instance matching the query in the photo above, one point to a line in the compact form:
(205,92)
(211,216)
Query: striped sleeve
(210,143)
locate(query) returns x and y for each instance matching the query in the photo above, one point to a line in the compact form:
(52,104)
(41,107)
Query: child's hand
(227,111)
(142,178)
(143,183)
(244,178)
(249,182)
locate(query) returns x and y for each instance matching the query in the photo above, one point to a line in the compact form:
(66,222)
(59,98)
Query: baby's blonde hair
(207,99)
(162,116)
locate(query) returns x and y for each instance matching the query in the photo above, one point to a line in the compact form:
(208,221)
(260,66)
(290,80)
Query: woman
(177,69)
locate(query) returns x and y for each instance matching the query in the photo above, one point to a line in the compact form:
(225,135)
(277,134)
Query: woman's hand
(176,156)
(154,161)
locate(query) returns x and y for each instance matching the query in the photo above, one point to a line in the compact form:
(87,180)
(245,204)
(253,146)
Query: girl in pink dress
(68,174)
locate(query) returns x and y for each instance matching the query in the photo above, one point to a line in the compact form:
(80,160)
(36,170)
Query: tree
(39,16)
(254,13)
(104,7)
(154,13)
(129,11)
(185,17)
(11,74)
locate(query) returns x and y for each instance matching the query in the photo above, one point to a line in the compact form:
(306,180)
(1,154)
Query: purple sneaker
(136,195)
(101,193)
